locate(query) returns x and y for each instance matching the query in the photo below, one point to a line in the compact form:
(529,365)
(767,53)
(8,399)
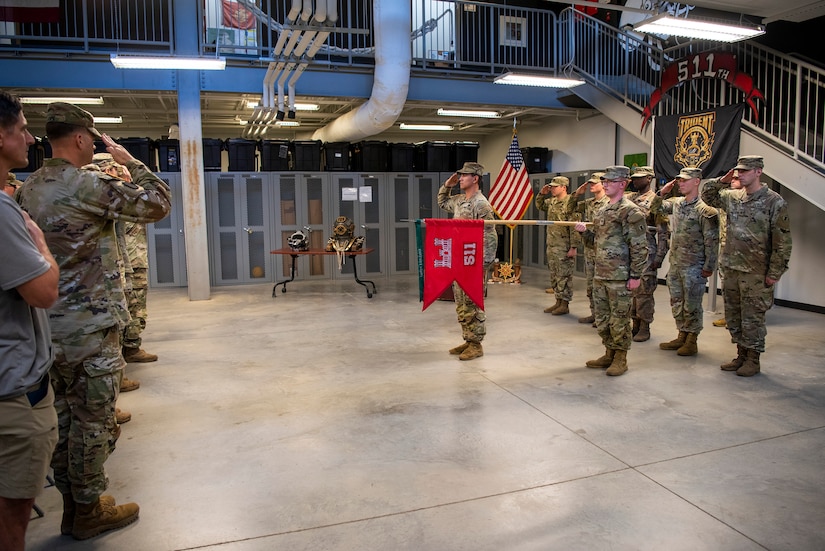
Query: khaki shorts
(27,439)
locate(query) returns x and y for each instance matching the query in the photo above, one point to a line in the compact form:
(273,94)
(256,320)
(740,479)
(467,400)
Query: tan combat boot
(472,352)
(138,355)
(619,364)
(550,309)
(550,290)
(128,385)
(562,309)
(122,416)
(643,334)
(736,363)
(751,365)
(676,343)
(602,362)
(70,509)
(95,518)
(459,349)
(689,348)
(588,319)
(721,322)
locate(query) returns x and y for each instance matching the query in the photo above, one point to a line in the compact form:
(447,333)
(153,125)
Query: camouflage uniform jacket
(618,234)
(758,233)
(558,210)
(77,210)
(695,239)
(476,207)
(658,231)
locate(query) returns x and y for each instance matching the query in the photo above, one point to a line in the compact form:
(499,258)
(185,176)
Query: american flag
(511,194)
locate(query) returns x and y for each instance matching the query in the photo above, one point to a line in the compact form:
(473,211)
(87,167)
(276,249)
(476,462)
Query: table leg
(360,282)
(291,276)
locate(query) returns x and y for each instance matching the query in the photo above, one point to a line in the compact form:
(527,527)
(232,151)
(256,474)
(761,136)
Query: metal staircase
(623,68)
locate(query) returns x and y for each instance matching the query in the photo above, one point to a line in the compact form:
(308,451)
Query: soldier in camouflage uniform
(77,208)
(585,211)
(756,254)
(136,260)
(471,204)
(658,235)
(618,235)
(692,256)
(560,248)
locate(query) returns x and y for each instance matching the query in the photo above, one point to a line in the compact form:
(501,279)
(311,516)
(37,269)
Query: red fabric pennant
(453,251)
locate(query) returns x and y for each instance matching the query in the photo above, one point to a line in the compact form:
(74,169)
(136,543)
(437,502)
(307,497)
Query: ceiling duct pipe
(391,82)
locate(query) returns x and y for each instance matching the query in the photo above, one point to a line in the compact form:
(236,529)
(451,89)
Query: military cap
(616,172)
(690,172)
(641,171)
(71,114)
(560,181)
(595,178)
(749,162)
(471,168)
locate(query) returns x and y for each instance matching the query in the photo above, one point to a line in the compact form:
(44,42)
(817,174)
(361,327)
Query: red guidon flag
(30,11)
(453,251)
(237,16)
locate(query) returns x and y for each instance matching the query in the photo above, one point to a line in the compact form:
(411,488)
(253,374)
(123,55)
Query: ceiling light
(307,107)
(154,62)
(287,123)
(521,79)
(481,114)
(439,127)
(108,120)
(75,101)
(666,24)
(252,104)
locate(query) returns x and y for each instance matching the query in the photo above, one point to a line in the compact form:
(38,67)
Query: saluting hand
(119,153)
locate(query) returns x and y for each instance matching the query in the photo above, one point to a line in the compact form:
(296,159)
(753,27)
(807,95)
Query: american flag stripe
(511,193)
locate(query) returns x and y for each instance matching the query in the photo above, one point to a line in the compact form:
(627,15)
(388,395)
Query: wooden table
(321,252)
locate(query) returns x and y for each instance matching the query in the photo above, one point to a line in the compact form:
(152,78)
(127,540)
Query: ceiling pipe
(391,81)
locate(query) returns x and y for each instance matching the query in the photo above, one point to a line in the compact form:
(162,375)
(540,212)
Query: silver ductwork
(391,80)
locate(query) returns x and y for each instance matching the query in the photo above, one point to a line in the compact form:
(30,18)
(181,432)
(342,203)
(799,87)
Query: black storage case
(369,155)
(401,157)
(536,159)
(307,155)
(275,155)
(212,154)
(241,154)
(36,156)
(142,149)
(169,155)
(336,156)
(434,157)
(464,152)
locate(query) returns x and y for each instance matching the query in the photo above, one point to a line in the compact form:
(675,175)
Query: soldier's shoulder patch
(635,216)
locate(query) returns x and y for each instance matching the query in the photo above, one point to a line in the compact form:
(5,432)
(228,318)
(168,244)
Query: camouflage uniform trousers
(86,377)
(561,273)
(747,298)
(687,291)
(139,280)
(589,271)
(643,304)
(471,318)
(611,304)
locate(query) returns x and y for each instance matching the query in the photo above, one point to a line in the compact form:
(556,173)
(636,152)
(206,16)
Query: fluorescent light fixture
(252,104)
(75,101)
(287,123)
(481,114)
(438,127)
(666,24)
(108,120)
(521,79)
(155,62)
(307,107)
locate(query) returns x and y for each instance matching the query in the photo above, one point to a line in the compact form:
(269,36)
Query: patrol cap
(690,172)
(560,181)
(595,178)
(616,172)
(71,114)
(749,162)
(471,168)
(101,158)
(641,171)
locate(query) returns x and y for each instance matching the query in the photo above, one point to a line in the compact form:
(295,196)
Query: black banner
(705,139)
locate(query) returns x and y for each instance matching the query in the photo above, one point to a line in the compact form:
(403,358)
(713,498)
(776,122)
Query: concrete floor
(323,420)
